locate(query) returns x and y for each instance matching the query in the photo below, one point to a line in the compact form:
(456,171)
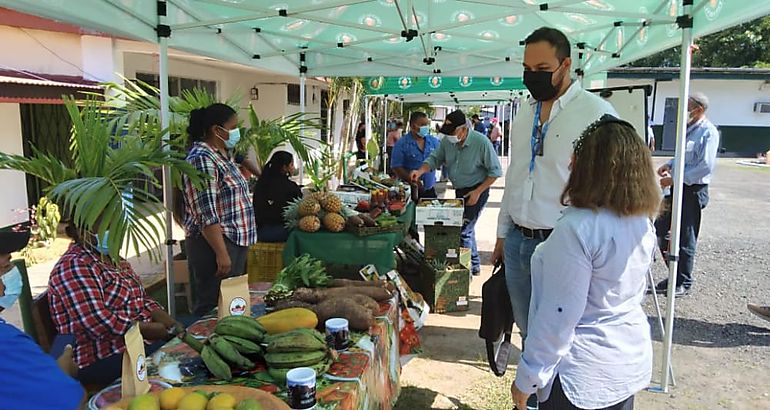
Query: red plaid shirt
(96,302)
(224,198)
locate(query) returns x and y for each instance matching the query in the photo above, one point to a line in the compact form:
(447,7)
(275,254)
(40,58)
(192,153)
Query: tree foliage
(745,45)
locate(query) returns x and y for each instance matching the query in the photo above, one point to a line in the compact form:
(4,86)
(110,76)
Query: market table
(366,376)
(346,248)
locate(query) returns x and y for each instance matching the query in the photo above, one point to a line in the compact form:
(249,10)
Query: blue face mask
(425,130)
(234,137)
(102,244)
(13,285)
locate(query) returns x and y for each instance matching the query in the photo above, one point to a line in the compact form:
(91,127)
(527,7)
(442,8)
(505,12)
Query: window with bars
(178,84)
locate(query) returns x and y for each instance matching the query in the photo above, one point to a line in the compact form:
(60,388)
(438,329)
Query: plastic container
(301,385)
(338,332)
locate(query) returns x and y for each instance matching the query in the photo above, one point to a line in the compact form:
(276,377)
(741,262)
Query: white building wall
(13,182)
(732,101)
(33,50)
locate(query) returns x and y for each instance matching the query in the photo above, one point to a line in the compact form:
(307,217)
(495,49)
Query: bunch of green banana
(243,327)
(234,337)
(297,348)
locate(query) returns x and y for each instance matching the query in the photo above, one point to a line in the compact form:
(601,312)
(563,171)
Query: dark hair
(274,167)
(553,37)
(416,116)
(399,124)
(475,116)
(201,119)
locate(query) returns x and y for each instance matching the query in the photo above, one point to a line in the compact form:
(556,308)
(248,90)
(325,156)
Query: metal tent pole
(384,144)
(685,22)
(367,122)
(302,110)
(164,32)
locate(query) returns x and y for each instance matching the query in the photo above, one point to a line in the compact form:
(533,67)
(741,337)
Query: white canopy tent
(410,38)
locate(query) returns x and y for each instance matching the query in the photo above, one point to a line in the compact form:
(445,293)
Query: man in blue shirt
(699,160)
(29,378)
(478,125)
(475,167)
(412,150)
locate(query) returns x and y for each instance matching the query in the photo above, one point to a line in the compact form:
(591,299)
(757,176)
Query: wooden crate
(264,261)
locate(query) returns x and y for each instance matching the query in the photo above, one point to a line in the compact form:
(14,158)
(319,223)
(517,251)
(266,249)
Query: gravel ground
(721,352)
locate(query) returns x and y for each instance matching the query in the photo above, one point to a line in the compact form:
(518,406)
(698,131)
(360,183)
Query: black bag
(496,320)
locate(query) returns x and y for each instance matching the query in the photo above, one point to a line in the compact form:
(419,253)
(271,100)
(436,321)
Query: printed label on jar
(302,396)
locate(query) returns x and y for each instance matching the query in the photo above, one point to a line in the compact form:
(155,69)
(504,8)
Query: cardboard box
(446,212)
(442,242)
(351,198)
(462,258)
(448,290)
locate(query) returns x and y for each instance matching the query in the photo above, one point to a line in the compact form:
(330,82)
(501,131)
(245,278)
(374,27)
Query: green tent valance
(438,84)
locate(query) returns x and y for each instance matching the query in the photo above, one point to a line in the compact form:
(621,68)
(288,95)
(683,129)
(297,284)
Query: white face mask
(454,139)
(13,285)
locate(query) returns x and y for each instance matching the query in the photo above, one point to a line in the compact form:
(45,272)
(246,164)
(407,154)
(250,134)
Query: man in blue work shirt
(412,150)
(478,125)
(699,160)
(475,168)
(29,378)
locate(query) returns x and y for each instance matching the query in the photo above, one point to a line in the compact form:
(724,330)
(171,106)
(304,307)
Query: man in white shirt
(542,137)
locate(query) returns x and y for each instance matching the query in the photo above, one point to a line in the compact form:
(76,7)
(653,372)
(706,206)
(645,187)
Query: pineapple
(331,203)
(309,223)
(291,213)
(319,196)
(334,222)
(308,207)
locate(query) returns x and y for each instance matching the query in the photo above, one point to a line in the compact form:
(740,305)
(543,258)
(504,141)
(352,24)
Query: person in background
(361,142)
(589,344)
(475,167)
(94,301)
(395,129)
(219,217)
(478,125)
(29,378)
(411,151)
(541,146)
(699,161)
(495,135)
(274,190)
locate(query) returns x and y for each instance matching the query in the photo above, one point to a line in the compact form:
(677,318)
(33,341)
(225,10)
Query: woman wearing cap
(588,344)
(94,301)
(29,378)
(219,217)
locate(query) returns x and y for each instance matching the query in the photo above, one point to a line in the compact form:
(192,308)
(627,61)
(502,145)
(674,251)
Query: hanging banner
(439,84)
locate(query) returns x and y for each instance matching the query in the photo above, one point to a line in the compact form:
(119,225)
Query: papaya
(288,319)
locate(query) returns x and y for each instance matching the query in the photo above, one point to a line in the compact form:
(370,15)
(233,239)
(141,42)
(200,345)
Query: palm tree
(110,154)
(267,135)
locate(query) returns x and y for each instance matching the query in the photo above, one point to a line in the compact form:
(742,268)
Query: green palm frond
(267,135)
(108,163)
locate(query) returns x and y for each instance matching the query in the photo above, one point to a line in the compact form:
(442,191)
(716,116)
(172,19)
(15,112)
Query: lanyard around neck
(536,144)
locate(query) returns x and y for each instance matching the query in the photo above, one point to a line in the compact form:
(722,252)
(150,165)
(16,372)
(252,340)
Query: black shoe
(476,273)
(662,287)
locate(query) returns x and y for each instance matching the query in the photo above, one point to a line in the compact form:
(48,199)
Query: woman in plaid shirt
(93,303)
(219,217)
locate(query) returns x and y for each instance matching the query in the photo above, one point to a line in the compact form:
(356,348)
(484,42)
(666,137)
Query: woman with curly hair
(588,344)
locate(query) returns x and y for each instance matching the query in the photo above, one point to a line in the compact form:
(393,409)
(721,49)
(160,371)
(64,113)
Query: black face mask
(540,84)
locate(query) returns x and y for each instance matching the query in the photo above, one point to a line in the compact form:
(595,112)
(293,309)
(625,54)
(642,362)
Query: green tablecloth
(348,249)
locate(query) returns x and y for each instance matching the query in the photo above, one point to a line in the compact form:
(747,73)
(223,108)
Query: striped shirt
(224,198)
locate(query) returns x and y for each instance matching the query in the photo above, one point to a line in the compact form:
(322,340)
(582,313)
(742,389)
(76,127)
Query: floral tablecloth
(366,376)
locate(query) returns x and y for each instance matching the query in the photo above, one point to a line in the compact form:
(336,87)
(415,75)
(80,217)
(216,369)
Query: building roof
(31,88)
(706,73)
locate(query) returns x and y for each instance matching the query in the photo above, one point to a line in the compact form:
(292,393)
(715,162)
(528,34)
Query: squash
(288,319)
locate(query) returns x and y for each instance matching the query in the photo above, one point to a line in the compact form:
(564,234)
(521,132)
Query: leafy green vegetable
(303,271)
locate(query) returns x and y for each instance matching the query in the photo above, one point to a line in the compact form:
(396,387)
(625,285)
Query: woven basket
(264,261)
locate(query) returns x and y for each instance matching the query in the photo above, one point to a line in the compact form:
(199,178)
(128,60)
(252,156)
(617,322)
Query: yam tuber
(367,302)
(341,283)
(359,318)
(318,295)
